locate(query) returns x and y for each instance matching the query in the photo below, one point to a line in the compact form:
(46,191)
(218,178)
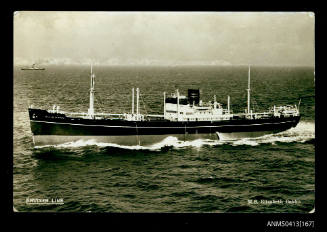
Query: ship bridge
(190,108)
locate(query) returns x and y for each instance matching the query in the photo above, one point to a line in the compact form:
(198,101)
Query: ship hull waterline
(123,140)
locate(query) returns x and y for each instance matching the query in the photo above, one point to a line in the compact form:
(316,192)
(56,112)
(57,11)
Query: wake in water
(303,132)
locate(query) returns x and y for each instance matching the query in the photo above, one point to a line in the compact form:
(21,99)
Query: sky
(164,38)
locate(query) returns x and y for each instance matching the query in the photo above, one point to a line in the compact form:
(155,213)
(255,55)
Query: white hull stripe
(181,127)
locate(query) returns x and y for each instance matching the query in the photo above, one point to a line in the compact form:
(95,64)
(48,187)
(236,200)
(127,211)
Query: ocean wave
(89,142)
(303,132)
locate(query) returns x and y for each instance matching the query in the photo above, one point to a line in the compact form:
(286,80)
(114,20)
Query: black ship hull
(57,128)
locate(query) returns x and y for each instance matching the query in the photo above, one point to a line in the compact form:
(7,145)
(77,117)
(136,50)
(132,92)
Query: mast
(164,104)
(137,102)
(91,108)
(214,102)
(177,105)
(228,104)
(248,111)
(132,100)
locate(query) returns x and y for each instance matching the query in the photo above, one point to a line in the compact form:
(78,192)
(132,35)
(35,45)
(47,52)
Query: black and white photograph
(163,112)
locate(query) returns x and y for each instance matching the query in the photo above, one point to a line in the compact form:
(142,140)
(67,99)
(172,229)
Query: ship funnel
(194,96)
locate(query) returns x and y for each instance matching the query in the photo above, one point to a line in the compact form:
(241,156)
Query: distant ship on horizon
(34,67)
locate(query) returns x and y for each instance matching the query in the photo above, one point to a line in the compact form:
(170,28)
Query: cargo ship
(34,67)
(185,117)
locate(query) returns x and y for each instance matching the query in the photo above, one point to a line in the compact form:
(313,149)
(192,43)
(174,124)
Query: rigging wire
(146,112)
